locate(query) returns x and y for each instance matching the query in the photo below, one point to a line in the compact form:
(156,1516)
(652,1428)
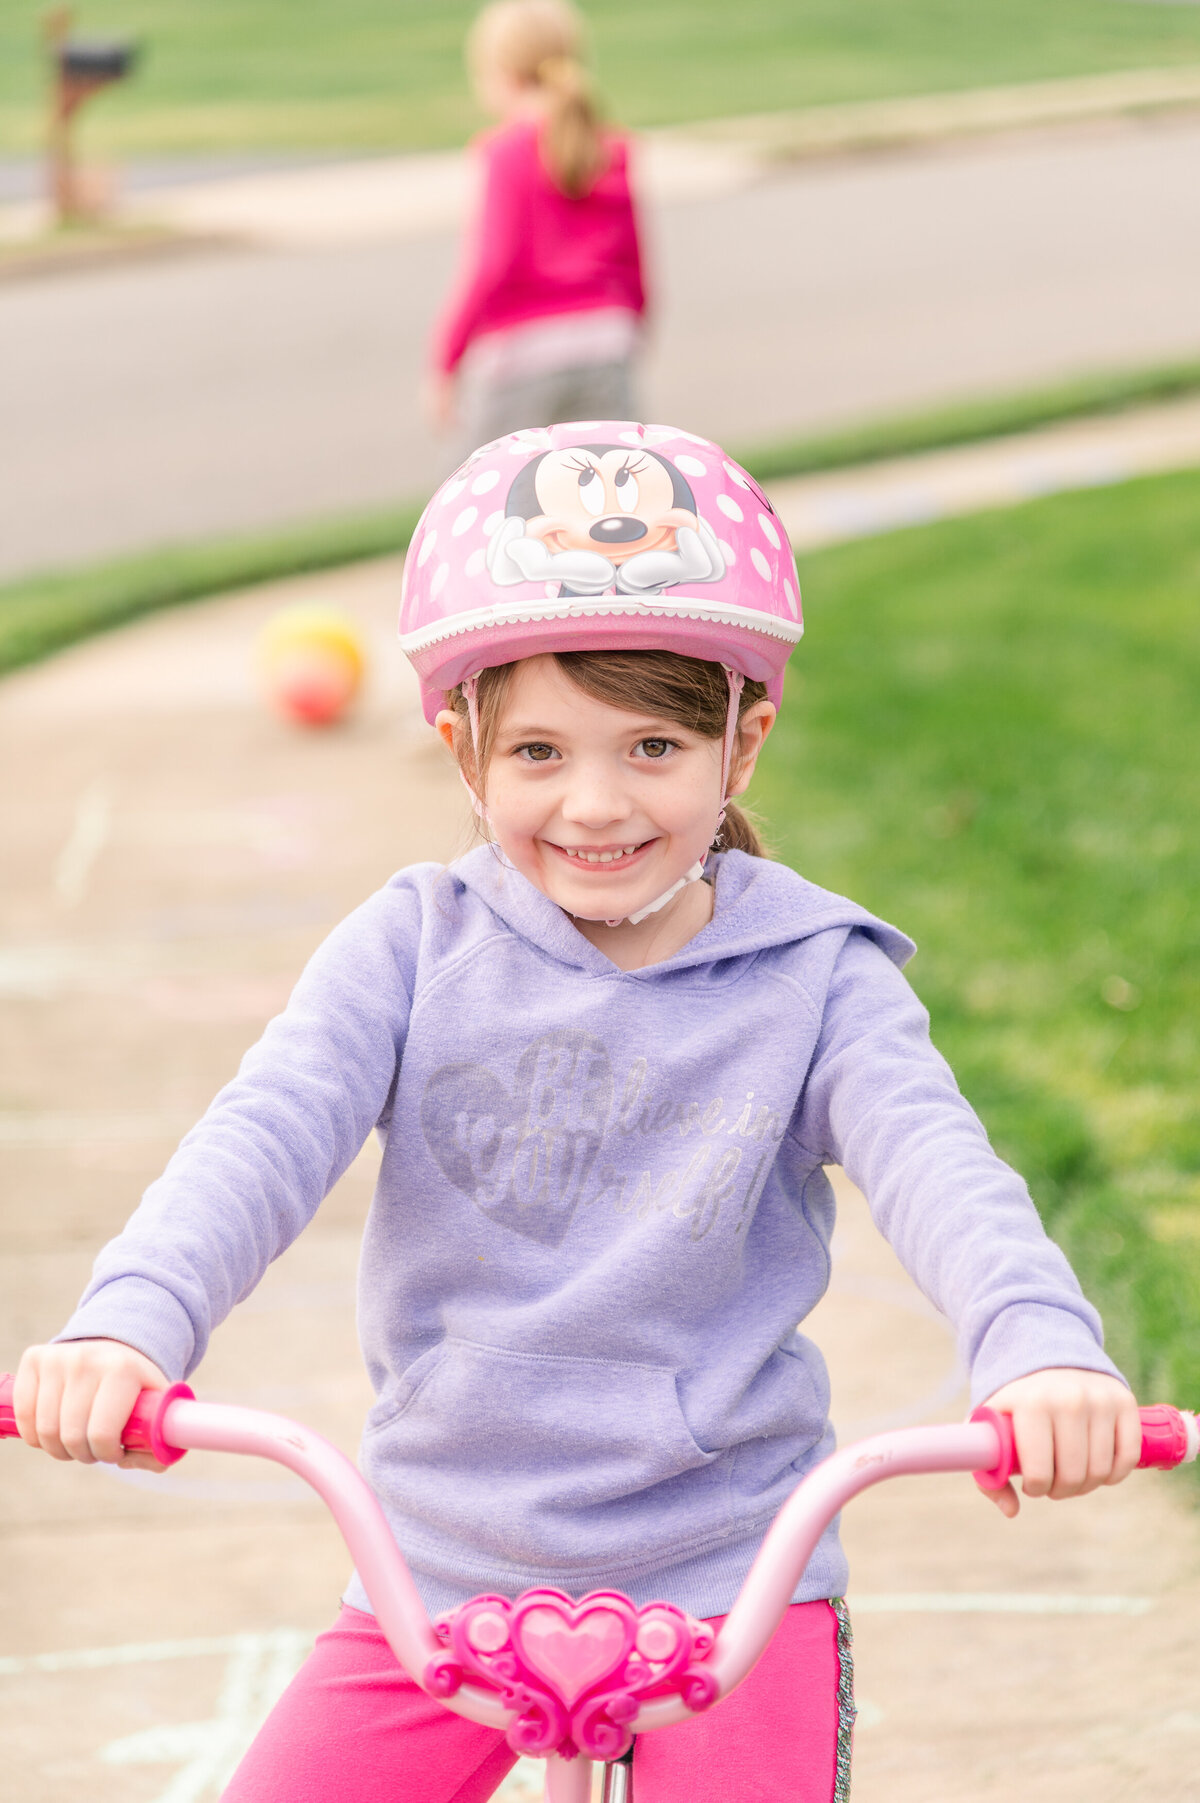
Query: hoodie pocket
(538,1462)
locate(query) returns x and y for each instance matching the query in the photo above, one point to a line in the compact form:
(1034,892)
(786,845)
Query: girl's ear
(444,725)
(753,728)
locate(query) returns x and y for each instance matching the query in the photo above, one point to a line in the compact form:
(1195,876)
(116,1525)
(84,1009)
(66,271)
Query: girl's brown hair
(540,44)
(688,690)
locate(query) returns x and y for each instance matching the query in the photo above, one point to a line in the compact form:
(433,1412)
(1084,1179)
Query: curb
(974,112)
(66,256)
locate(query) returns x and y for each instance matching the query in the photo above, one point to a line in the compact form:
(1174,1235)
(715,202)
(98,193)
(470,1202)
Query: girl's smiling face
(601,809)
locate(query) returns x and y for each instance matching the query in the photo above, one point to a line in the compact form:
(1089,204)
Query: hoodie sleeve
(883,1103)
(251,1174)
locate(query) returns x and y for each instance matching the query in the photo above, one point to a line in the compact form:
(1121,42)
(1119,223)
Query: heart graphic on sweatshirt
(523,1154)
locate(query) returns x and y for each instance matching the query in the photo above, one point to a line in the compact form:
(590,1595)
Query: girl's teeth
(601,857)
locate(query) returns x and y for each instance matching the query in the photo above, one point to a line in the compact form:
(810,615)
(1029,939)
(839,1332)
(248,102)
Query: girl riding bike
(609,1054)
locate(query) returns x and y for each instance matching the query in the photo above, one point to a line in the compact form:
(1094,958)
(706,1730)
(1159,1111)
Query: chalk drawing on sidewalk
(994,1602)
(88,836)
(258,1669)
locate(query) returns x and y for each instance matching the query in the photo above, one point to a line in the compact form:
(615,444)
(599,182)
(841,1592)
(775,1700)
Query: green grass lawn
(992,738)
(235,74)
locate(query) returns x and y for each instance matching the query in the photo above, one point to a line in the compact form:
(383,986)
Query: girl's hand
(439,400)
(1075,1430)
(73,1400)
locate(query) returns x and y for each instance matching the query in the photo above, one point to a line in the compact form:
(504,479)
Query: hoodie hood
(757,905)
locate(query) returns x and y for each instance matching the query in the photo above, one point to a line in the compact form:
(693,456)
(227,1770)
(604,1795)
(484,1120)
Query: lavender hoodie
(600,1215)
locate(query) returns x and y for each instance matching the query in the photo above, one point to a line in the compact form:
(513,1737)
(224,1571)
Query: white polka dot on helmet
(602,537)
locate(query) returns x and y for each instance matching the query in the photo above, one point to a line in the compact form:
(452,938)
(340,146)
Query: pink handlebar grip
(997,1475)
(1167,1438)
(143,1431)
(1170,1437)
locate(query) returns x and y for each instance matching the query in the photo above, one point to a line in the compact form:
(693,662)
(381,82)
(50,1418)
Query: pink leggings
(353,1728)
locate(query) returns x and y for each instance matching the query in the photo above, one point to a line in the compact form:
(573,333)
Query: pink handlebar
(170,1421)
(1169,1438)
(144,1431)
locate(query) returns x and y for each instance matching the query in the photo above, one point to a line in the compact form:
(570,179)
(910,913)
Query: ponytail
(541,44)
(572,146)
(739,832)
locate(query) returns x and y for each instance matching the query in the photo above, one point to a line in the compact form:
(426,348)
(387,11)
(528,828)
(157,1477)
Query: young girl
(609,1055)
(548,309)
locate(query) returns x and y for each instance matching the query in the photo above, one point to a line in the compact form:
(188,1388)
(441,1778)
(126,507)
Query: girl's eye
(537,754)
(654,748)
(626,491)
(591,491)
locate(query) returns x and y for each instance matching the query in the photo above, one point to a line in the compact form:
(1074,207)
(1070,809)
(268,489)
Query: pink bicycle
(571,1680)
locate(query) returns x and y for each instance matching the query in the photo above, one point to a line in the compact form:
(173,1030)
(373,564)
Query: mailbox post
(79,68)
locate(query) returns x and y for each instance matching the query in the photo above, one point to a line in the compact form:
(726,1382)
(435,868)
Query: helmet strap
(689,876)
(737,683)
(469,687)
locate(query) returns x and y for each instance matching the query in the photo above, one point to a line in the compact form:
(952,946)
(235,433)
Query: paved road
(166,864)
(164,401)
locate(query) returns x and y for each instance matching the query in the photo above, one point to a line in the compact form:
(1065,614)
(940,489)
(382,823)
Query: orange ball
(311,660)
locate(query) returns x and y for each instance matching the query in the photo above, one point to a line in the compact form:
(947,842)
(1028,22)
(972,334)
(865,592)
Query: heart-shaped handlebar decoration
(570,1648)
(573,1673)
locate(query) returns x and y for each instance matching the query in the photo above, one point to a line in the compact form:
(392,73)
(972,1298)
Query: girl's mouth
(612,858)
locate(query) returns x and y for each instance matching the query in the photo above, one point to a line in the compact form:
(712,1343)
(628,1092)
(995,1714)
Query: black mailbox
(96,59)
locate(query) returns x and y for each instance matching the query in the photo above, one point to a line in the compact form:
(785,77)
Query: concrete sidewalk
(365,200)
(911,491)
(370,200)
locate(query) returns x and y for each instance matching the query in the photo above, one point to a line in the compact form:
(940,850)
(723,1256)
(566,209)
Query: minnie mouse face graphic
(601,517)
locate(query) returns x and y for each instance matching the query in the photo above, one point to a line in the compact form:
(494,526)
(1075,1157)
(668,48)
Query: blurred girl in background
(545,318)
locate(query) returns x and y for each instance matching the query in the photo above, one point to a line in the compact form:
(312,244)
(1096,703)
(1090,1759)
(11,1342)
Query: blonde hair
(540,44)
(688,690)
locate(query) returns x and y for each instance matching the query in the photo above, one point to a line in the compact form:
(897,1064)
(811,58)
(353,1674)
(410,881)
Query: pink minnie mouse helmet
(598,536)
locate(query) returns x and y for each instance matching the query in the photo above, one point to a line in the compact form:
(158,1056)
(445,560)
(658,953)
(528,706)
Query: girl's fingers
(47,1413)
(1072,1451)
(1005,1499)
(1034,1433)
(73,1400)
(24,1400)
(1074,1429)
(74,1416)
(1102,1439)
(1128,1441)
(111,1409)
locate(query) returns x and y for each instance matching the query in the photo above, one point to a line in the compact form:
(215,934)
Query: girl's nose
(593,800)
